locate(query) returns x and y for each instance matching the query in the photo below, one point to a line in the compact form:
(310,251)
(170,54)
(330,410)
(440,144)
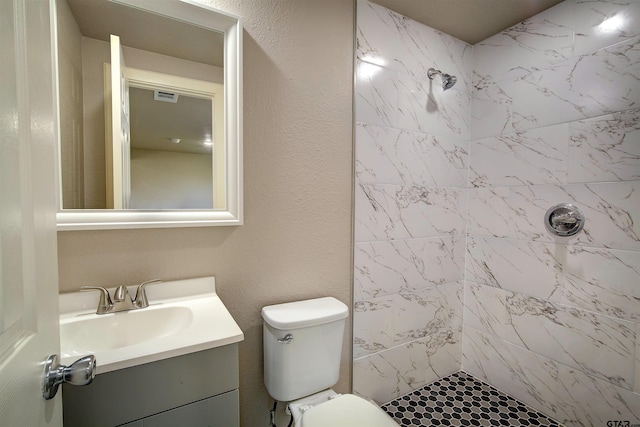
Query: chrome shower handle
(566,218)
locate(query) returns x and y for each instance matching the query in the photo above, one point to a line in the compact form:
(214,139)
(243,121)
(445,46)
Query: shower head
(447,80)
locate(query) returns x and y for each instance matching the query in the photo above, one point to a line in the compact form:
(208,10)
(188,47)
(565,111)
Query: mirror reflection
(171,162)
(141,110)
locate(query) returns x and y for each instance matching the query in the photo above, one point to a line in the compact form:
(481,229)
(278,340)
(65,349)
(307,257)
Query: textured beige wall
(298,154)
(170,180)
(70,95)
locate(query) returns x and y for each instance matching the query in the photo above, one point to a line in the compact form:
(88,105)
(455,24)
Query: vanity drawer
(217,411)
(125,395)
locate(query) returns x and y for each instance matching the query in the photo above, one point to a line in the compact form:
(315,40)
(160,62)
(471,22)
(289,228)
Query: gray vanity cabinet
(197,389)
(218,411)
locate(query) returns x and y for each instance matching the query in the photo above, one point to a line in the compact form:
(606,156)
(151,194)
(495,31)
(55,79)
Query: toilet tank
(309,360)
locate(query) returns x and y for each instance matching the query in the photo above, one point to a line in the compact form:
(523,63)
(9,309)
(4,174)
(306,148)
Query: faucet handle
(105,303)
(141,300)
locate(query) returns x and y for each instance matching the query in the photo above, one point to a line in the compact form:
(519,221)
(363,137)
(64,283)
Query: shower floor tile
(461,400)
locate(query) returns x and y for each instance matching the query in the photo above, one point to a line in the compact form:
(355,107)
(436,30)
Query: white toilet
(302,349)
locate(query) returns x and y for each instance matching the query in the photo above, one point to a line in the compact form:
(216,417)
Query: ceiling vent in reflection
(164,96)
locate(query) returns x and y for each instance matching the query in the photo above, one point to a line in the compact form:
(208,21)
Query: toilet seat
(346,410)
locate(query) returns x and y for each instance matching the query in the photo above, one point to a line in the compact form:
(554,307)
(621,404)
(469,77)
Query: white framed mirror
(150,114)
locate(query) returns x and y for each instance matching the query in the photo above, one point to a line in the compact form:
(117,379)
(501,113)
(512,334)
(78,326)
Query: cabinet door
(217,411)
(152,388)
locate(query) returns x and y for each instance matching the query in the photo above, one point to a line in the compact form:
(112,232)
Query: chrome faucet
(121,301)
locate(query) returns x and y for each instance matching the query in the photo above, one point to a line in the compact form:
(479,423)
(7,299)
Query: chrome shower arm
(447,80)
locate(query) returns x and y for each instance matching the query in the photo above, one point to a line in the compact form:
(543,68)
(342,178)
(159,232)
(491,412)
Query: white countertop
(125,339)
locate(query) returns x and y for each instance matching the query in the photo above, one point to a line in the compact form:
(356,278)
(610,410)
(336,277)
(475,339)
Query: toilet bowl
(328,408)
(302,349)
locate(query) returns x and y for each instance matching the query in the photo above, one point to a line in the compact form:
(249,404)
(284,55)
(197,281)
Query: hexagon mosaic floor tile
(461,400)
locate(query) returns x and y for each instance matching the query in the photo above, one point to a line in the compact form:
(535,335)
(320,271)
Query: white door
(28,254)
(118,153)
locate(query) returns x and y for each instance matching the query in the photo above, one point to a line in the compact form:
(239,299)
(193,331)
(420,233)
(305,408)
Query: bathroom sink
(91,333)
(184,316)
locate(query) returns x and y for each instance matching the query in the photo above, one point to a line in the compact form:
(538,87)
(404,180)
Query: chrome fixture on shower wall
(564,219)
(447,80)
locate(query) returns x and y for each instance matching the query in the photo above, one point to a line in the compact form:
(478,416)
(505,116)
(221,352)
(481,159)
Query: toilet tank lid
(301,314)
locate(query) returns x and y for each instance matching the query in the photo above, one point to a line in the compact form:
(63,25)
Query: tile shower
(454,269)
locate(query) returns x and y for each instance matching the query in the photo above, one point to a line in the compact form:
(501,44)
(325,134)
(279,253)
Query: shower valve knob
(564,220)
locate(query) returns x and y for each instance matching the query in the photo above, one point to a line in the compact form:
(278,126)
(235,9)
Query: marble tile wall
(555,117)
(412,161)
(453,265)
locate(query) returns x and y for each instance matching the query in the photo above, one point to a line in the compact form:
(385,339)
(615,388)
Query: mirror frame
(188,11)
